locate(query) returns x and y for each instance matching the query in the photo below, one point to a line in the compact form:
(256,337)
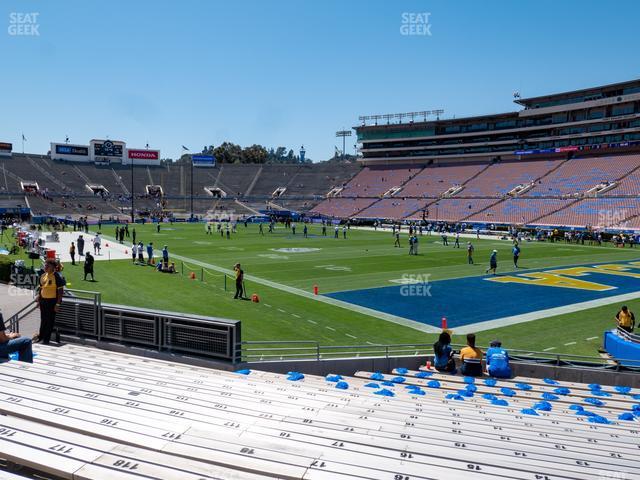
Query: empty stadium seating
(597,212)
(342,207)
(580,174)
(500,178)
(376,181)
(393,208)
(433,181)
(543,192)
(65,183)
(453,209)
(111,415)
(519,210)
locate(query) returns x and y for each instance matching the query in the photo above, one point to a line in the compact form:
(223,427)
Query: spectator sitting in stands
(443,354)
(498,361)
(625,319)
(471,358)
(13,342)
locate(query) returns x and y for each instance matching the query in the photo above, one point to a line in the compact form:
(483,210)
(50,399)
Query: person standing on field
(239,281)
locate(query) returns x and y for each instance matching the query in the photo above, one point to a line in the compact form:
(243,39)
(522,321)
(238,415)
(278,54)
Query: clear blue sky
(290,72)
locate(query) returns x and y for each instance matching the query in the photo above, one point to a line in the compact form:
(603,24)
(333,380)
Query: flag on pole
(185,148)
(24,139)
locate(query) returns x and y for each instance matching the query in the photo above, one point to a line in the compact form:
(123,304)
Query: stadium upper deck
(580,120)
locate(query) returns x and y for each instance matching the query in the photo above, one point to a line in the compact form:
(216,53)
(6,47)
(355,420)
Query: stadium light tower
(344,134)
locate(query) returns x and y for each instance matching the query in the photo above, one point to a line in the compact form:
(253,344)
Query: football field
(561,299)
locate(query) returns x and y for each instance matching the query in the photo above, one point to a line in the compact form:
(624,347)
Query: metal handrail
(631,337)
(318,352)
(13,322)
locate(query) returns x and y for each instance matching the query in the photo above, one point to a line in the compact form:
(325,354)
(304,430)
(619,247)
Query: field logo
(415,24)
(334,268)
(415,285)
(565,277)
(24,24)
(295,250)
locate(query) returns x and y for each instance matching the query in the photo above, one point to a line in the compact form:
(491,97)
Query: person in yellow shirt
(239,281)
(626,319)
(471,358)
(49,299)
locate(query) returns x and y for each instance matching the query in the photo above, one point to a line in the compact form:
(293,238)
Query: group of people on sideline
(497,358)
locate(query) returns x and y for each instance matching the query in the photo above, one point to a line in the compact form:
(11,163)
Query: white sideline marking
(550,348)
(371,343)
(550,312)
(332,329)
(592,338)
(570,343)
(472,328)
(319,298)
(348,335)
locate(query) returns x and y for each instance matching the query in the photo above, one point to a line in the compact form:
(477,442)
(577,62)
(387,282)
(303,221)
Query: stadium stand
(539,192)
(342,207)
(376,181)
(596,212)
(433,181)
(65,185)
(580,174)
(500,178)
(393,208)
(519,210)
(112,415)
(454,209)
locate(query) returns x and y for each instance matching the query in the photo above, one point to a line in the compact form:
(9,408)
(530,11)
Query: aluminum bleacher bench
(357,433)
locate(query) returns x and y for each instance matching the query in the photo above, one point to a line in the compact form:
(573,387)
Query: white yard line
(319,298)
(311,321)
(476,327)
(570,343)
(332,329)
(294,315)
(351,336)
(592,338)
(550,312)
(549,349)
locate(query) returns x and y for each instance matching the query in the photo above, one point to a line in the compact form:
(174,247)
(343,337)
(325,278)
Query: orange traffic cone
(192,276)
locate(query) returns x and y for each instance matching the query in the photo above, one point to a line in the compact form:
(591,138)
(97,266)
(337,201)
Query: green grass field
(366,259)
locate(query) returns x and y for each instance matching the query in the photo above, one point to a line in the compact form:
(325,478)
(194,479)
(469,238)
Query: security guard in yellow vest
(49,299)
(626,320)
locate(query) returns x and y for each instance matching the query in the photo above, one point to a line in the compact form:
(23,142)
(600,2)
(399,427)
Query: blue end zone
(465,301)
